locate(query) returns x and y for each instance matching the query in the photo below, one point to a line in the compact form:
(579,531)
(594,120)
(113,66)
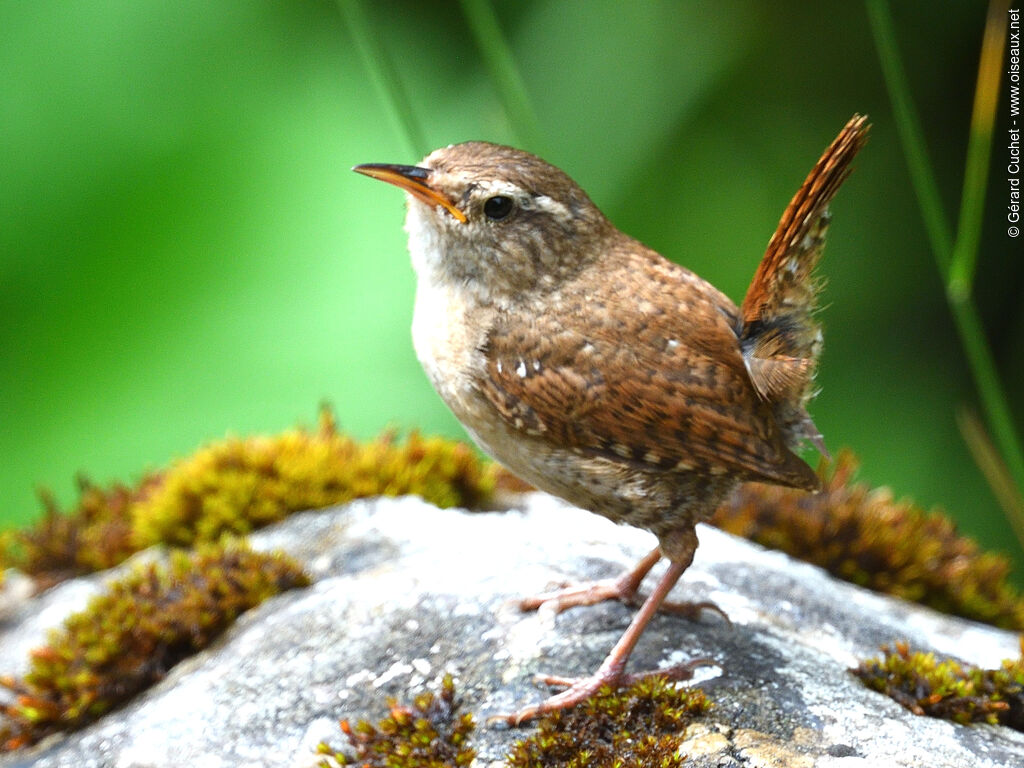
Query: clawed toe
(579,689)
(623,588)
(582,594)
(555,681)
(694,610)
(612,670)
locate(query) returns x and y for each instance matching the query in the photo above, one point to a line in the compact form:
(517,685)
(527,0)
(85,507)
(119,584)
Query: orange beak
(414,180)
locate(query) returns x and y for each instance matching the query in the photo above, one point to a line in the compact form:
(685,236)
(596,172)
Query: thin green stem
(500,62)
(957,261)
(987,457)
(979,152)
(911,135)
(965,251)
(385,76)
(990,390)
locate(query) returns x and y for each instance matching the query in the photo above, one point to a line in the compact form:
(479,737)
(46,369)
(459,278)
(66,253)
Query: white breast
(450,320)
(447,335)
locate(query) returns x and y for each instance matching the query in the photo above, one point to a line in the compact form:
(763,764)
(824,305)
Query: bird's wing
(651,376)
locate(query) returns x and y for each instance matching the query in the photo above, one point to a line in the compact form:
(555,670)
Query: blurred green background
(185,254)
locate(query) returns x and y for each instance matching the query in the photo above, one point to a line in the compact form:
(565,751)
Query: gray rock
(15,590)
(405,592)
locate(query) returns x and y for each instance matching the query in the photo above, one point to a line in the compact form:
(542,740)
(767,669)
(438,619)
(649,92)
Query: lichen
(132,633)
(865,536)
(237,485)
(641,725)
(429,734)
(947,688)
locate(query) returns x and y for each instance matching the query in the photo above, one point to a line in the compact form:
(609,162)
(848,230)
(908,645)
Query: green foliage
(866,537)
(640,725)
(429,734)
(948,689)
(237,485)
(137,629)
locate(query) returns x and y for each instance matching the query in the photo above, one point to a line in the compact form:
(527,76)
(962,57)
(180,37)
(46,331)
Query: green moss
(136,630)
(641,725)
(94,536)
(948,689)
(239,484)
(865,536)
(429,734)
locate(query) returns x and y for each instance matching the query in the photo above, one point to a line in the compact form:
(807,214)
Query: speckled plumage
(592,366)
(636,381)
(598,370)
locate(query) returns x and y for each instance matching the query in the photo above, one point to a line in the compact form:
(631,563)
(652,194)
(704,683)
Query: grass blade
(957,261)
(497,55)
(911,136)
(385,76)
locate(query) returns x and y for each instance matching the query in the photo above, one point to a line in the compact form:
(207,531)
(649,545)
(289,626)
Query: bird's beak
(414,180)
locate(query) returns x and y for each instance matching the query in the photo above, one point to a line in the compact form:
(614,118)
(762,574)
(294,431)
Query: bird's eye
(498,207)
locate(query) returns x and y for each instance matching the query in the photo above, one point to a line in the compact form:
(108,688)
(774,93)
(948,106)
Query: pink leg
(611,671)
(625,588)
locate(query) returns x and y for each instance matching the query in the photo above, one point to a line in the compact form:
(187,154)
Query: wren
(599,371)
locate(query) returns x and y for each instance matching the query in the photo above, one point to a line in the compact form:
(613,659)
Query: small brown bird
(599,371)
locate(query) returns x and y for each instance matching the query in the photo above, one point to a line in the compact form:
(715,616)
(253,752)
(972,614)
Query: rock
(15,590)
(405,592)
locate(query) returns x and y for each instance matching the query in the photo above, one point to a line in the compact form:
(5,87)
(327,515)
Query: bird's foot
(590,593)
(579,689)
(693,610)
(620,589)
(625,588)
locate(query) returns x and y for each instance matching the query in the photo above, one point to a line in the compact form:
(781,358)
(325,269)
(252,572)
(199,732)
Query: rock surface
(405,592)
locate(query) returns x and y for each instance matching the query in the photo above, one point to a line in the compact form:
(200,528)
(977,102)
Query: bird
(605,374)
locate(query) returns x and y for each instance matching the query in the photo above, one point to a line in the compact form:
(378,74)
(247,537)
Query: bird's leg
(612,669)
(624,588)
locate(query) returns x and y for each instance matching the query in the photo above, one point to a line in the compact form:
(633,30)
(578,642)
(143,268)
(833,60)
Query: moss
(641,725)
(866,537)
(134,632)
(239,484)
(946,688)
(94,536)
(429,734)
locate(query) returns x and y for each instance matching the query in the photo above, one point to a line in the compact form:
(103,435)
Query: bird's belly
(658,502)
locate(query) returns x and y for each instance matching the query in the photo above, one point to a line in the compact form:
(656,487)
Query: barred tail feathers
(781,337)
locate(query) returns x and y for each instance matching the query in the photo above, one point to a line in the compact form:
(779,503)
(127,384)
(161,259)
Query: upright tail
(781,338)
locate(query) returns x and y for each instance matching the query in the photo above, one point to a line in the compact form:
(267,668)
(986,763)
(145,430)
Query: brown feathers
(654,379)
(781,339)
(782,285)
(600,372)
